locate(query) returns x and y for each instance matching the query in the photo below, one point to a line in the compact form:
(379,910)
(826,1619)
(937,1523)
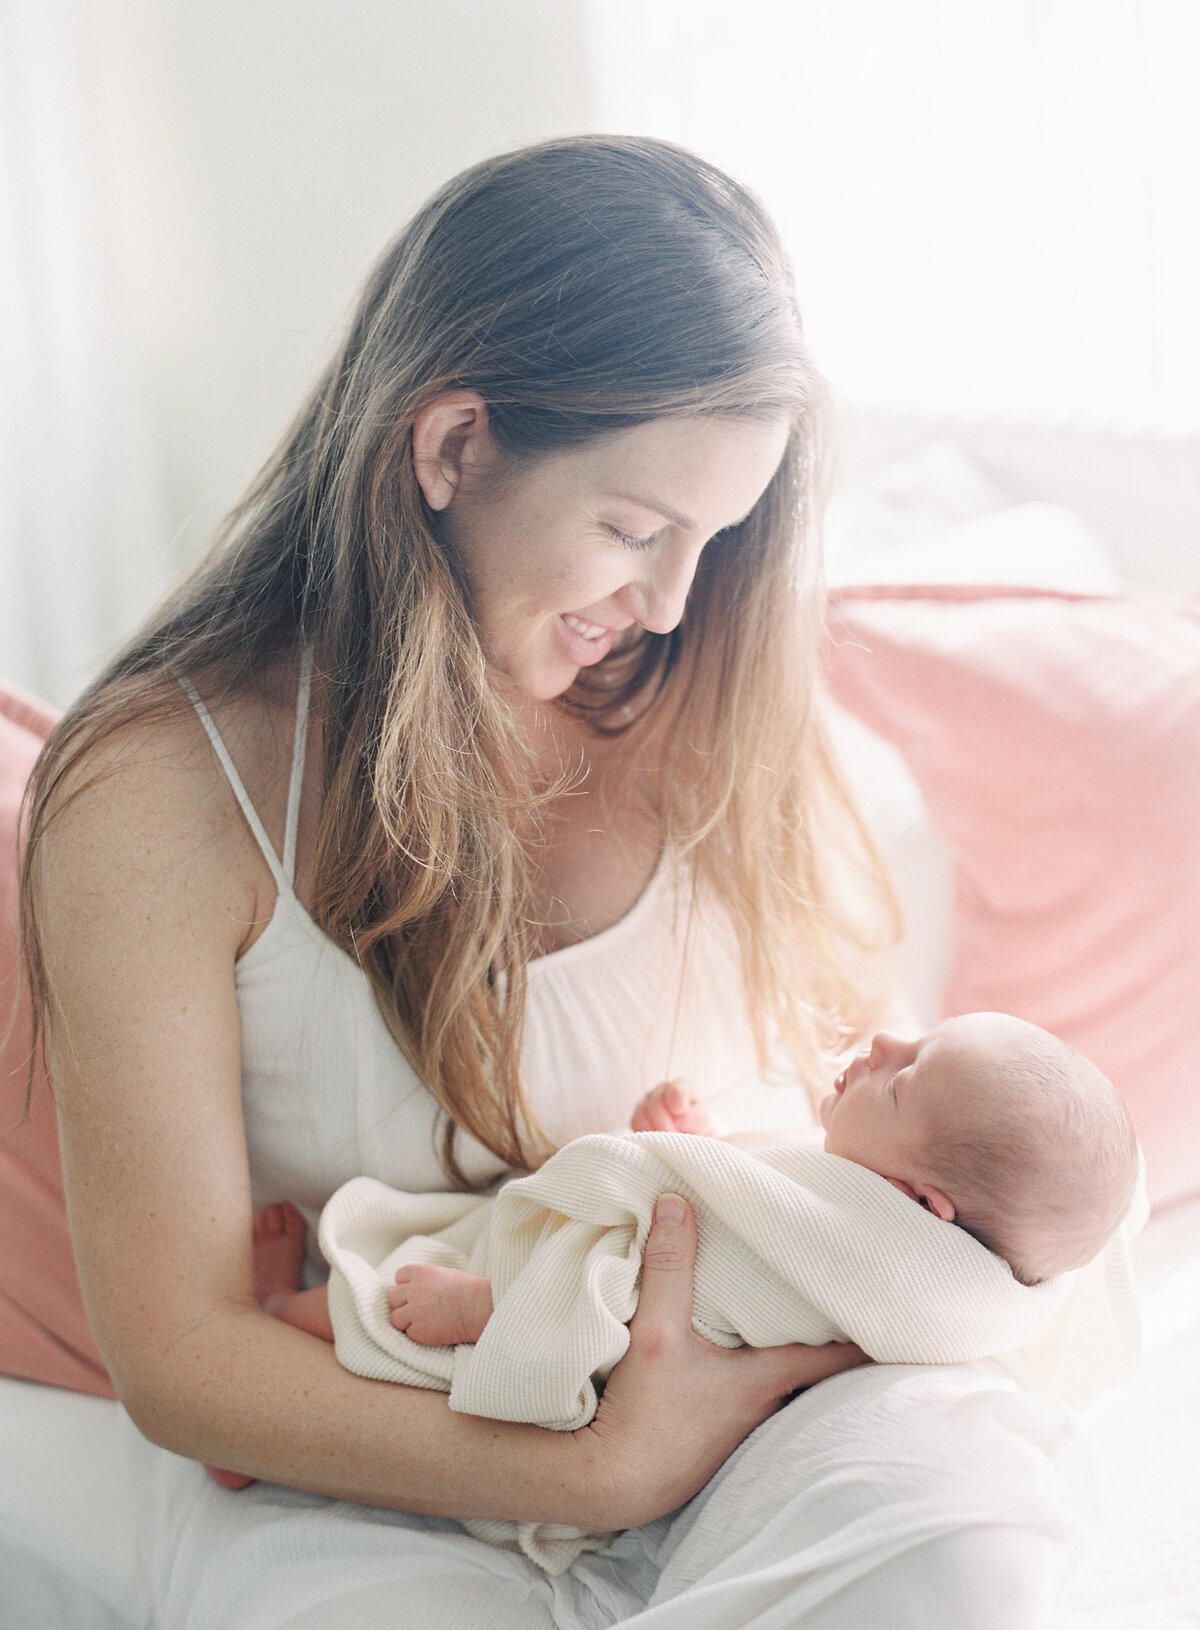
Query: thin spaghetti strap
(299,747)
(282,880)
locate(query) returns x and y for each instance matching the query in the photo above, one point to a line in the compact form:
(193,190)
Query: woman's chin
(545,688)
(531,683)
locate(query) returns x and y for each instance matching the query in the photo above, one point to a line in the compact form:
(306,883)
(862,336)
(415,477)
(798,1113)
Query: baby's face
(887,1101)
(904,1109)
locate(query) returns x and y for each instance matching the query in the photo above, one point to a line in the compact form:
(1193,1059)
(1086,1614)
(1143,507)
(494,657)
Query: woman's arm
(149,891)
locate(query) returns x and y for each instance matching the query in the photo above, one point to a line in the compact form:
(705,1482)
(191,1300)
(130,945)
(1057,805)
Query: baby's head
(998,1126)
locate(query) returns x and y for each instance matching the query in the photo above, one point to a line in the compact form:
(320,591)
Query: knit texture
(794,1245)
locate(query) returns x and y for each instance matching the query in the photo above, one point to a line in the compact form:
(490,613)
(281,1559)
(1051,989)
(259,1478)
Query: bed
(936,529)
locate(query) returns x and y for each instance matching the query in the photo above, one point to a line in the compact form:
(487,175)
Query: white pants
(914,1497)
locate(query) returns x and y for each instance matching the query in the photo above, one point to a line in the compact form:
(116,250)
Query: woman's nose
(657,596)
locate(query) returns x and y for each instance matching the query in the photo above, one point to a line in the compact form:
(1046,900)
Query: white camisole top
(328,1095)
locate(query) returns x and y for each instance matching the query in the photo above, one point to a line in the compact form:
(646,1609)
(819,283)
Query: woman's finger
(789,1369)
(665,1299)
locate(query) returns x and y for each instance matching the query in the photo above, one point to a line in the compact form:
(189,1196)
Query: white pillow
(937,486)
(1033,545)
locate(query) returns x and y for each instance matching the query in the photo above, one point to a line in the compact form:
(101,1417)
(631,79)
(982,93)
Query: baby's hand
(674,1107)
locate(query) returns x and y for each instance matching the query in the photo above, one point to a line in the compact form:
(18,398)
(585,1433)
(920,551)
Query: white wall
(266,150)
(991,204)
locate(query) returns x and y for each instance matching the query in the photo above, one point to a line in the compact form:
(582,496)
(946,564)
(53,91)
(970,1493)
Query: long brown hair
(580,286)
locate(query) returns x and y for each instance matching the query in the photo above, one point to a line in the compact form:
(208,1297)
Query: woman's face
(567,554)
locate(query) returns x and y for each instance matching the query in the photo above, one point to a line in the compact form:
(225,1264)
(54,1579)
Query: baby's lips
(862,1059)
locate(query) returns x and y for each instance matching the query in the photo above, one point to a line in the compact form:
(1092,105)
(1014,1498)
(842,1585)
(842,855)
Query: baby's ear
(926,1195)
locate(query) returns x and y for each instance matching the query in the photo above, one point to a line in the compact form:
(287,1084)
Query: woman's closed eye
(630,540)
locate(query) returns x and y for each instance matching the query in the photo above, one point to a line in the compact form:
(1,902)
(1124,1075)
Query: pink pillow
(1056,739)
(44,1333)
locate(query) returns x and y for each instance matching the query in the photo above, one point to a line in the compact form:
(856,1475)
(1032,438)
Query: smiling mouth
(587,631)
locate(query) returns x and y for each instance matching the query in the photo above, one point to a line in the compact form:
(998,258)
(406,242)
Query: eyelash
(630,542)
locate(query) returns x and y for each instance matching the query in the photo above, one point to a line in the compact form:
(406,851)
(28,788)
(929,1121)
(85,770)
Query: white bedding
(66,1554)
(66,1547)
(1142,1571)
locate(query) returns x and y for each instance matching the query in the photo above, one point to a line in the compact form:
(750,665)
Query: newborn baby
(987,1122)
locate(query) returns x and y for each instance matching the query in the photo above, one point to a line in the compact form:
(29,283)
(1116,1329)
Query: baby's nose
(885,1048)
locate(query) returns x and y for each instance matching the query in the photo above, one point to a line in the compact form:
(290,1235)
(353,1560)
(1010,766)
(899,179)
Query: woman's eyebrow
(669,514)
(655,508)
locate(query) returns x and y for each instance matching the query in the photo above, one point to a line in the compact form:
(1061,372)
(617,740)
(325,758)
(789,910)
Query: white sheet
(914,1484)
(66,1529)
(66,1508)
(1142,1569)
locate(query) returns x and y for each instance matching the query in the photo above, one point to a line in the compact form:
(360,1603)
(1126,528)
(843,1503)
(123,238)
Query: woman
(467,790)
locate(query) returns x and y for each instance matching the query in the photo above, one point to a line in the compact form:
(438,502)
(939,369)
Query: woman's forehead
(691,472)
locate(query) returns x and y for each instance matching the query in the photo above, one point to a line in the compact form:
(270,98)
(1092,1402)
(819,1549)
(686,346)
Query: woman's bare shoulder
(146,819)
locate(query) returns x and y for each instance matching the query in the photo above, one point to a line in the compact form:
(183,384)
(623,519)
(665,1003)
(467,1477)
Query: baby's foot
(278,1254)
(229,1480)
(439,1307)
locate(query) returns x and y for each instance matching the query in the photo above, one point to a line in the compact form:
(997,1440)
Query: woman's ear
(450,438)
(926,1195)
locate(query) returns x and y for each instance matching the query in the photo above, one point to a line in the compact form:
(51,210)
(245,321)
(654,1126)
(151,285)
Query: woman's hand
(676,1406)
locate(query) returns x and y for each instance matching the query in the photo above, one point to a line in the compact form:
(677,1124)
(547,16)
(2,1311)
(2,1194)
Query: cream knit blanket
(794,1245)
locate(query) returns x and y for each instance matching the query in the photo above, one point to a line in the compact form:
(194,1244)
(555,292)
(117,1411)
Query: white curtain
(992,204)
(82,546)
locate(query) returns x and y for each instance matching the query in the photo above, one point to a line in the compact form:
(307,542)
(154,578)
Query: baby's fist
(673,1107)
